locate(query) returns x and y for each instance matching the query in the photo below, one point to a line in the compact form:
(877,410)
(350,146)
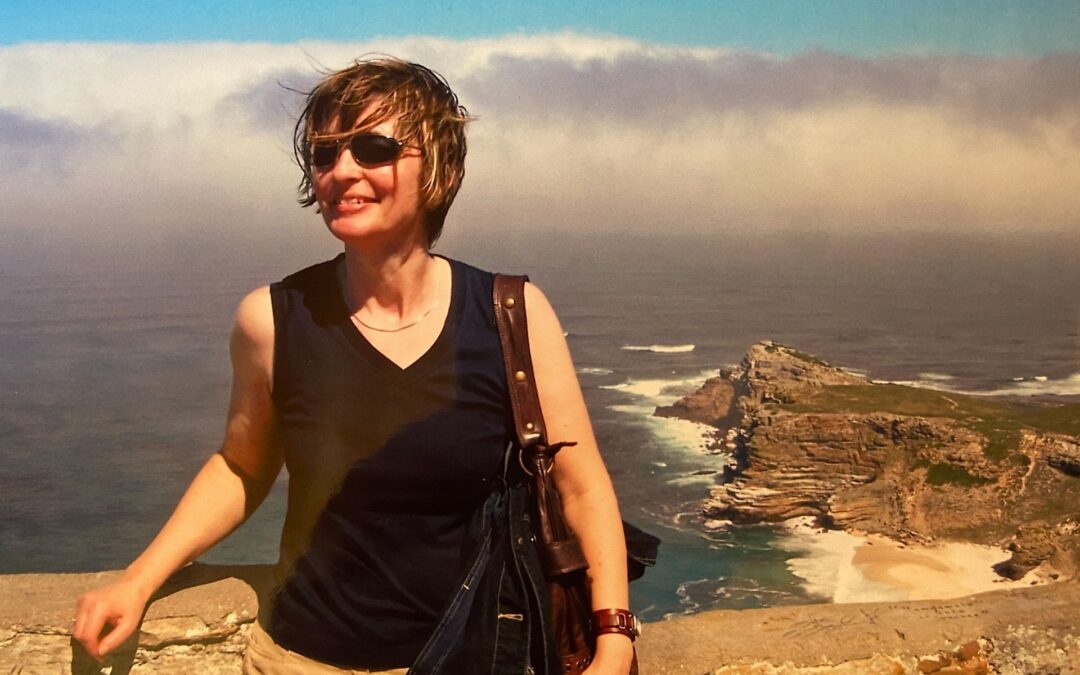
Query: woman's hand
(614,655)
(106,616)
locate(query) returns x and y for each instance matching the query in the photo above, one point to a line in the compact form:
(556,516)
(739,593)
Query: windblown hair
(428,113)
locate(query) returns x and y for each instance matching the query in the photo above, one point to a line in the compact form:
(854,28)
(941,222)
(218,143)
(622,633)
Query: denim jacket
(496,623)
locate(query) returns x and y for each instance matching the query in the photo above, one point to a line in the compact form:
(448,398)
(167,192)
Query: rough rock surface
(906,476)
(773,373)
(1064,455)
(198,625)
(713,403)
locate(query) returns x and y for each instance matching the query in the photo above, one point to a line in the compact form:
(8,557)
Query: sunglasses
(365,149)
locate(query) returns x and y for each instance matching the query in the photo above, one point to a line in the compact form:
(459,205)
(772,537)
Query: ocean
(114,371)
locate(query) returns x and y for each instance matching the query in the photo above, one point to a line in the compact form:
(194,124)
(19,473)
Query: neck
(390,285)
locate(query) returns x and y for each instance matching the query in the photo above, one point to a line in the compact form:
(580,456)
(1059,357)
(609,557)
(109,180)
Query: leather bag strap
(560,551)
(509,299)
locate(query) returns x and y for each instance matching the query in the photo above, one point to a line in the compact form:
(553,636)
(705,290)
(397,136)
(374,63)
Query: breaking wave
(662,391)
(935,377)
(659,349)
(1037,385)
(595,371)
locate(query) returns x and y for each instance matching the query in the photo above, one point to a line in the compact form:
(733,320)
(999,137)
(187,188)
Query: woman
(377,379)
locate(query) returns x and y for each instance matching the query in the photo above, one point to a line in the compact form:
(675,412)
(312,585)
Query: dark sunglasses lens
(324,154)
(374,149)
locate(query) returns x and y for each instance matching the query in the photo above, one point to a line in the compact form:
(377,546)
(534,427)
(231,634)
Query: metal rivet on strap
(519,376)
(509,302)
(530,426)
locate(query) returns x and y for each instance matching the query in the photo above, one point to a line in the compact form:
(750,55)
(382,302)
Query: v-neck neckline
(422,364)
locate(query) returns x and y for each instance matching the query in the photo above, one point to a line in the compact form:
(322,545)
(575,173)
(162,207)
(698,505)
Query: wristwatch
(616,621)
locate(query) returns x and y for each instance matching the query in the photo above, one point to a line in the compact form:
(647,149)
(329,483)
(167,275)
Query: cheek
(320,185)
(409,182)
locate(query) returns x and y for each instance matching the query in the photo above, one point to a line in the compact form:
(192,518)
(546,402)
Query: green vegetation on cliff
(999,420)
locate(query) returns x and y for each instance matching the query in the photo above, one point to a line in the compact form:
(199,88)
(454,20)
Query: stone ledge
(199,622)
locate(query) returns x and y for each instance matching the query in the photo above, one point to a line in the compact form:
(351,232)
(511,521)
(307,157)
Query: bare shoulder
(255,314)
(251,445)
(543,322)
(551,355)
(252,339)
(565,414)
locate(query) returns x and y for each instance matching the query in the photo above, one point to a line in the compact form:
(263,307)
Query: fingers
(101,625)
(123,627)
(89,623)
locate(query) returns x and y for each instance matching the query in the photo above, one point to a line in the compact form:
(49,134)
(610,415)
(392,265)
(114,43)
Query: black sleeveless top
(386,469)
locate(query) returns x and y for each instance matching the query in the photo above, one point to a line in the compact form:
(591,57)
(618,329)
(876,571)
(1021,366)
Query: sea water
(114,372)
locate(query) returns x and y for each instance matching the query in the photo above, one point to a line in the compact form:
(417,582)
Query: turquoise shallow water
(114,372)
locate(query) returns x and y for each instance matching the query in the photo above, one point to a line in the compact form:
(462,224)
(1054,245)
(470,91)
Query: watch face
(635,625)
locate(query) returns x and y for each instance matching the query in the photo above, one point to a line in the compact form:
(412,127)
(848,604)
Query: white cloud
(576,132)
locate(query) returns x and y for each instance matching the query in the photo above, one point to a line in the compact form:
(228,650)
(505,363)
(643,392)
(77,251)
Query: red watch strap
(616,621)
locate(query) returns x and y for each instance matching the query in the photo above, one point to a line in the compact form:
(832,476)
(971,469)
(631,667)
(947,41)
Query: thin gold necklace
(355,317)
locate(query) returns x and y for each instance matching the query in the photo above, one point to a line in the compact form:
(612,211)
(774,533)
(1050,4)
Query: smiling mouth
(351,205)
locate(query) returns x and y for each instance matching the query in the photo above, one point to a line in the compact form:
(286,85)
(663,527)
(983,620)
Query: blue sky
(865,27)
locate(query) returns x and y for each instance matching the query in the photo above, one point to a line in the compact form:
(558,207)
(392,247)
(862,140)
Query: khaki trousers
(265,657)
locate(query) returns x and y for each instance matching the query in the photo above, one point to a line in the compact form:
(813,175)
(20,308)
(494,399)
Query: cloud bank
(575,133)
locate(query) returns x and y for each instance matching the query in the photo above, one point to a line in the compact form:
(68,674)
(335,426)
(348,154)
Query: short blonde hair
(428,113)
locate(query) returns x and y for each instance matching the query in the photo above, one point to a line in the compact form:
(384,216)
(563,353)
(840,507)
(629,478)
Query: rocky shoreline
(808,439)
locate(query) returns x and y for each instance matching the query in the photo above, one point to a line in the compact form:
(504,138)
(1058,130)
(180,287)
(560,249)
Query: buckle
(616,621)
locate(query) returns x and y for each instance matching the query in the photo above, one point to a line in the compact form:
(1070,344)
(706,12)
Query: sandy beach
(948,570)
(849,568)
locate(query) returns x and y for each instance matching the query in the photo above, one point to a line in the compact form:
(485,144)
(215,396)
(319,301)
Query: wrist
(615,643)
(615,621)
(143,583)
(614,653)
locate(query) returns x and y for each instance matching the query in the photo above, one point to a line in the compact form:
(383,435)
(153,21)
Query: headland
(928,494)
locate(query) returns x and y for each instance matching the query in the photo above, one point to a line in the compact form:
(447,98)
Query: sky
(989,27)
(688,116)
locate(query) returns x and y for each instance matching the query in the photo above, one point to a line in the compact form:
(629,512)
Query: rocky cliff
(810,439)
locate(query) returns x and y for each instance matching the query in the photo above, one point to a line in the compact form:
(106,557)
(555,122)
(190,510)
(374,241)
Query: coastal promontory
(812,440)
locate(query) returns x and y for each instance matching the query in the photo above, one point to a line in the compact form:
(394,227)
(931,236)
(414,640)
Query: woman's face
(372,203)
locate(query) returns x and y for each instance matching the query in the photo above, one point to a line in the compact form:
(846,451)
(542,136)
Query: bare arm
(580,476)
(228,488)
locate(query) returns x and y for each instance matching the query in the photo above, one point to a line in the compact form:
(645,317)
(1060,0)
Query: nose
(332,179)
(346,163)
(345,167)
